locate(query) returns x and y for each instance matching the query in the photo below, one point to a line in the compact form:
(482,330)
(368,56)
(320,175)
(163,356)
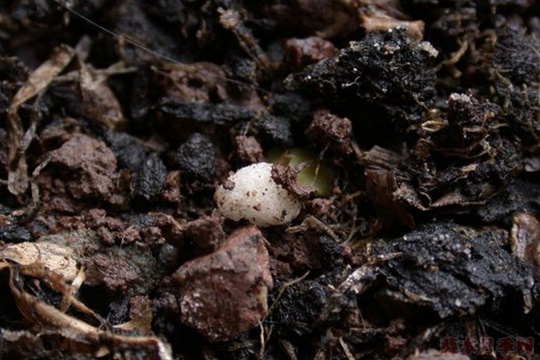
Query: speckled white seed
(252,194)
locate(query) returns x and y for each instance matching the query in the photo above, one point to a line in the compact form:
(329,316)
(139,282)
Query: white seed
(252,194)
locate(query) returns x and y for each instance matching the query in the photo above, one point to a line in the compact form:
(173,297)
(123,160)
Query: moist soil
(119,119)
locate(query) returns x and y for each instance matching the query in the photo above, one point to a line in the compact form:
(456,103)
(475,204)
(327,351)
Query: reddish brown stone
(224,293)
(204,235)
(113,272)
(91,161)
(306,51)
(332,130)
(171,188)
(81,169)
(248,149)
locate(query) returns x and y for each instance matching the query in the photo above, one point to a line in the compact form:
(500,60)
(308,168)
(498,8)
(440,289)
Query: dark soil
(120,118)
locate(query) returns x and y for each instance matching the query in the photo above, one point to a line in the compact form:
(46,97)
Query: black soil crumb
(388,73)
(197,157)
(150,180)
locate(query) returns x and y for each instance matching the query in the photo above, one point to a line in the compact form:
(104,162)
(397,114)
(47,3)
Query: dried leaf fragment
(56,258)
(36,83)
(75,332)
(43,75)
(525,238)
(99,101)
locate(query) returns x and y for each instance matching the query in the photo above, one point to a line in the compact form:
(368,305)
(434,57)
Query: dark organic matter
(406,132)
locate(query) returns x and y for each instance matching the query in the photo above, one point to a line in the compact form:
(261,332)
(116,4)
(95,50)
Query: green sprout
(312,171)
